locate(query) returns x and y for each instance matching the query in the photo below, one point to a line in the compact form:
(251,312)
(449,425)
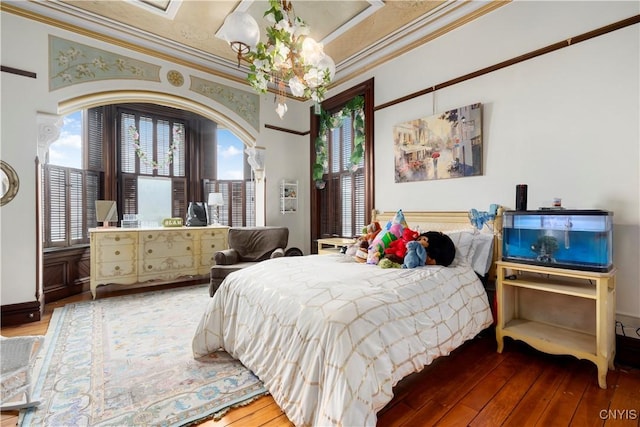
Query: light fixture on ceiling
(288,58)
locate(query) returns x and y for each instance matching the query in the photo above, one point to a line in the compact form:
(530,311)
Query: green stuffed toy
(387,263)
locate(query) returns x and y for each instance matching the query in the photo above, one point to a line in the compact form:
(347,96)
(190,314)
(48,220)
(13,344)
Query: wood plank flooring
(474,386)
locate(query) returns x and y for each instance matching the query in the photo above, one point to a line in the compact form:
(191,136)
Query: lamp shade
(215,199)
(240,27)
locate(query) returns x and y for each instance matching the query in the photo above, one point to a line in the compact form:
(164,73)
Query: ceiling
(357,34)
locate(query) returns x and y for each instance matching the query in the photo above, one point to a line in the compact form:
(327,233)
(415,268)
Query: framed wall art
(446,145)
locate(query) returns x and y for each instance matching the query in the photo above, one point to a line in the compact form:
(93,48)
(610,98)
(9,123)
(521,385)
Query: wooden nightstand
(559,311)
(332,245)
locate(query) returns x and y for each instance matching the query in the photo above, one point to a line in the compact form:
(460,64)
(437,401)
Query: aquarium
(574,239)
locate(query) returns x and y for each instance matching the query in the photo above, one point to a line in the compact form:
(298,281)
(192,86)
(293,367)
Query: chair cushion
(257,243)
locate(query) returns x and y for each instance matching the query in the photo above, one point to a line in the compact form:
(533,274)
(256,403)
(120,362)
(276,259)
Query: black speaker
(521,197)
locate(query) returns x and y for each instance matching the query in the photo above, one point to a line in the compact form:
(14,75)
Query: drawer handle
(213,245)
(117,239)
(150,236)
(149,267)
(188,248)
(117,267)
(117,252)
(149,251)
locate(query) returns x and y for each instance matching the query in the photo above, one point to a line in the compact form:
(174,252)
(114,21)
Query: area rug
(127,361)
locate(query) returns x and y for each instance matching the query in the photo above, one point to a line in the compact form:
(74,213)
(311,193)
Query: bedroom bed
(331,337)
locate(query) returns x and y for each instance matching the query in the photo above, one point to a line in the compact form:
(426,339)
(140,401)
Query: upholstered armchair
(247,246)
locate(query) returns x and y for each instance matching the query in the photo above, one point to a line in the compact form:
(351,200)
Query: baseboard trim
(17,314)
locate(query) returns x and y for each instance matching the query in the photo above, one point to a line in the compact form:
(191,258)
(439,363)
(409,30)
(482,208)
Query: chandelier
(288,58)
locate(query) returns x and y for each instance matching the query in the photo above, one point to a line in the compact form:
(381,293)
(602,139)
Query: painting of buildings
(447,145)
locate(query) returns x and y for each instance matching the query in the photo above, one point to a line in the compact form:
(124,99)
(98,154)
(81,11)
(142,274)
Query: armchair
(247,246)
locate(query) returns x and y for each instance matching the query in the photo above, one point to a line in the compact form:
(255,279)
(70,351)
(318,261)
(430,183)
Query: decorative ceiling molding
(367,51)
(71,18)
(410,36)
(165,8)
(374,6)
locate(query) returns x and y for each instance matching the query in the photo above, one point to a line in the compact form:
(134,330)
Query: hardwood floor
(474,386)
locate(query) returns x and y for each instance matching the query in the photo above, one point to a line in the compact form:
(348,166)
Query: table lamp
(215,200)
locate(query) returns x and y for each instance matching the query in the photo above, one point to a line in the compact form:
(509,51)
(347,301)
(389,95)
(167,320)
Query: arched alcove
(128,96)
(248,137)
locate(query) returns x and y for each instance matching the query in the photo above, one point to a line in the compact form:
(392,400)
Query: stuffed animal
(352,249)
(362,252)
(387,263)
(416,255)
(371,231)
(398,248)
(382,241)
(440,248)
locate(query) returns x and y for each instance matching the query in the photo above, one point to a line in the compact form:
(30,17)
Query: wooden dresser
(128,256)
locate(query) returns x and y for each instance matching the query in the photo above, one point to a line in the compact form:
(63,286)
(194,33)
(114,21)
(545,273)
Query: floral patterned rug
(127,361)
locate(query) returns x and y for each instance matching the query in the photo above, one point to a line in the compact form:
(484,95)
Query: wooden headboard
(448,221)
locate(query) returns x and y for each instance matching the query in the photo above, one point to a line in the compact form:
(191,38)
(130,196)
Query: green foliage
(355,108)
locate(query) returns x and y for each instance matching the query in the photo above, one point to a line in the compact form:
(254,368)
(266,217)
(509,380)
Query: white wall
(24,98)
(566,123)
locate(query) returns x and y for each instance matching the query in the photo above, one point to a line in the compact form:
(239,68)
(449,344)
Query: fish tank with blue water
(573,239)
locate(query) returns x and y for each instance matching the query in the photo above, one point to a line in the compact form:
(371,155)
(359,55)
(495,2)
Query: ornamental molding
(49,126)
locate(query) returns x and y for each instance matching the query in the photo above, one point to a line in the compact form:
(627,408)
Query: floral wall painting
(446,145)
(245,104)
(72,63)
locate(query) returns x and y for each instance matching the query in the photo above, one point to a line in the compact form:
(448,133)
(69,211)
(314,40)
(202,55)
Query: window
(343,197)
(152,152)
(68,202)
(343,207)
(69,191)
(182,158)
(233,179)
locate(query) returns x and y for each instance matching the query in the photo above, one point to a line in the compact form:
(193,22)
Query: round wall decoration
(9,182)
(175,78)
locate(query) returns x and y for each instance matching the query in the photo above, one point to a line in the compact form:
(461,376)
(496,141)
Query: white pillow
(472,248)
(463,241)
(482,253)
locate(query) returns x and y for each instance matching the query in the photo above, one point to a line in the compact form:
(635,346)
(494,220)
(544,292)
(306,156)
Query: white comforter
(330,337)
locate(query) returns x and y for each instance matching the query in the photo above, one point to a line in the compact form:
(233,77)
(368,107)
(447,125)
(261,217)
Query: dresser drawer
(168,267)
(111,272)
(116,253)
(166,244)
(114,239)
